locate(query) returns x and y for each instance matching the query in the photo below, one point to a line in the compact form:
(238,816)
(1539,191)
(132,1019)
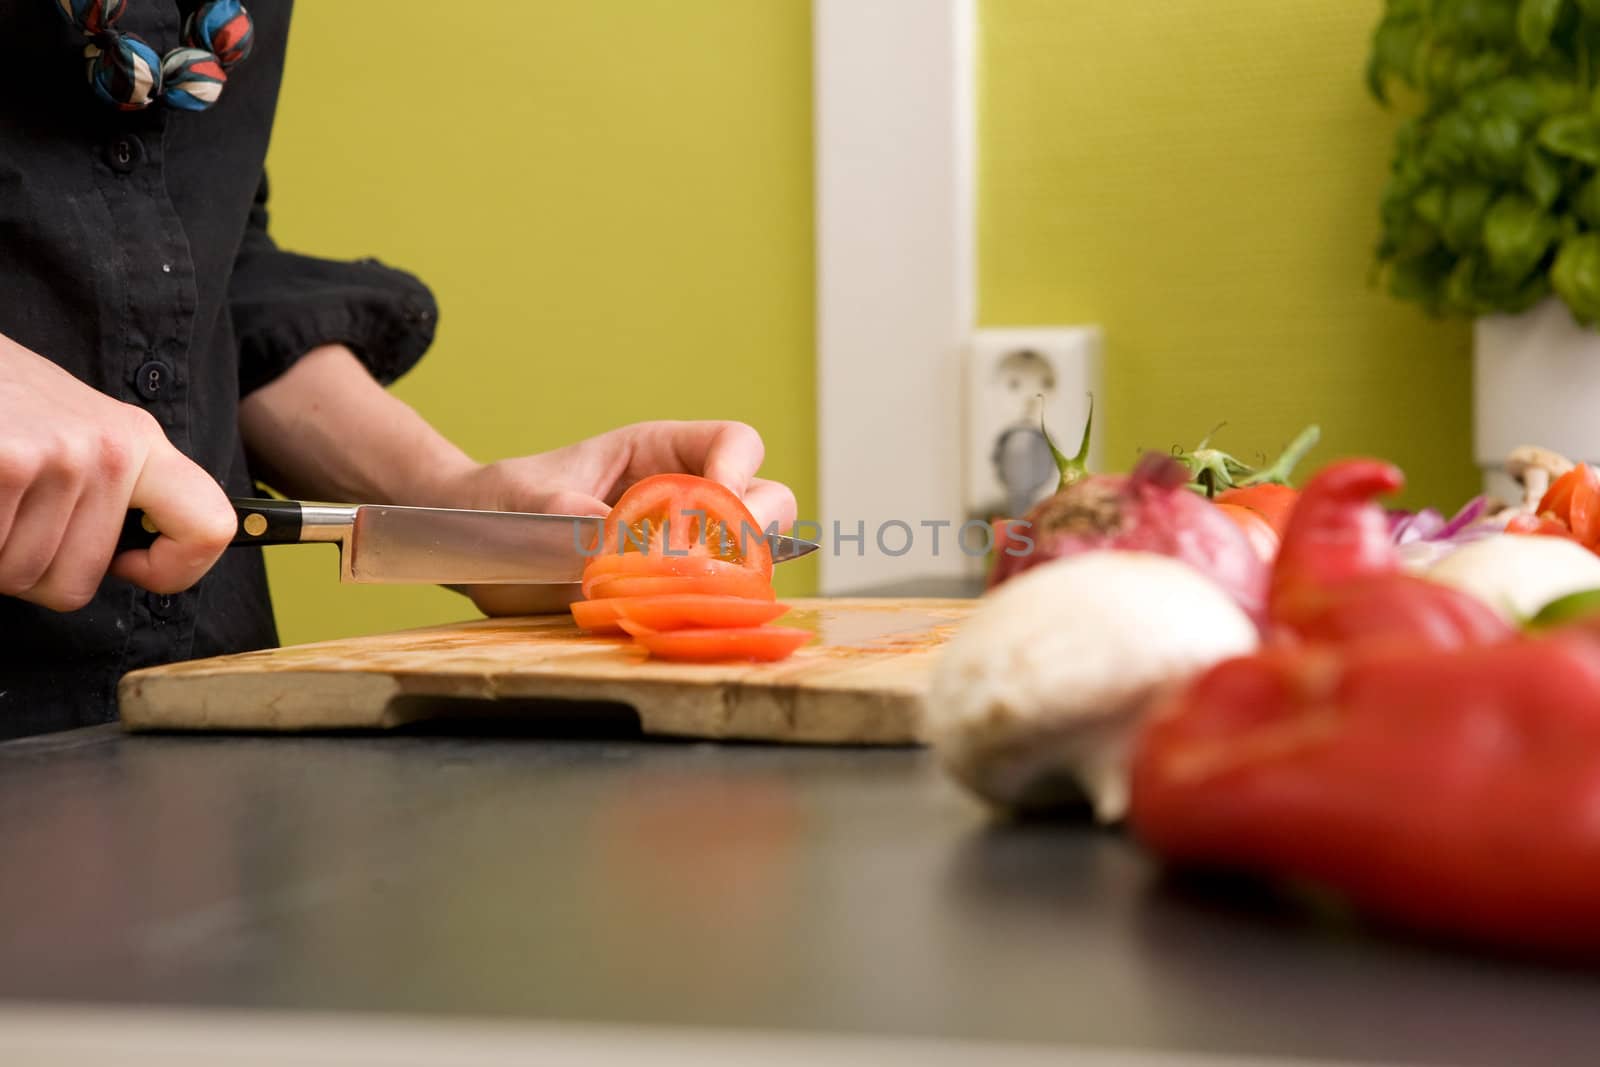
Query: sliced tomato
(700,612)
(1272,502)
(1558,498)
(749,585)
(762,644)
(1263,539)
(1538,525)
(597,616)
(691,517)
(640,565)
(1583,511)
(677,612)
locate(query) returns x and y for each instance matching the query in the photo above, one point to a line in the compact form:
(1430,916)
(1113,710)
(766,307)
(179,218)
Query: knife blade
(383,543)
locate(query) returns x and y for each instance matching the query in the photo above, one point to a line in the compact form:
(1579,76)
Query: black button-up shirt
(134,253)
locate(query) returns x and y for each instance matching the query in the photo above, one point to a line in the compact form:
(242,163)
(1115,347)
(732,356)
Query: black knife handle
(261,522)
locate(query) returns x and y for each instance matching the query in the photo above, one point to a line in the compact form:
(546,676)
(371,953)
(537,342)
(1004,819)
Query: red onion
(1426,537)
(1429,525)
(1408,526)
(1471,512)
(1151,510)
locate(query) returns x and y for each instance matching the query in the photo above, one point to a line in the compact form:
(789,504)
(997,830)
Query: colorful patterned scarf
(128,74)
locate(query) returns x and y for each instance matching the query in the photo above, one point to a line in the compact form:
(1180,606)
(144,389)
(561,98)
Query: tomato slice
(1538,525)
(1583,511)
(684,514)
(700,611)
(1558,498)
(1264,540)
(762,644)
(748,585)
(642,565)
(675,612)
(597,616)
(1273,502)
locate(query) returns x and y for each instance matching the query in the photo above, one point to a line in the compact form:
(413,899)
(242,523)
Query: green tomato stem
(1210,469)
(1285,464)
(1213,470)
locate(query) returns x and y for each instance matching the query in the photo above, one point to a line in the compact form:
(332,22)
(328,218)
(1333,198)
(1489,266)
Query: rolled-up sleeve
(285,304)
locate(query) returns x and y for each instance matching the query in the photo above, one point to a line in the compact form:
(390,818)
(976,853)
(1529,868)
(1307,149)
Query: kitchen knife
(438,546)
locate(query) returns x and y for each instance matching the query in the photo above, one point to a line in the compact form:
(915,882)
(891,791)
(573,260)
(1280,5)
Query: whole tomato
(1271,501)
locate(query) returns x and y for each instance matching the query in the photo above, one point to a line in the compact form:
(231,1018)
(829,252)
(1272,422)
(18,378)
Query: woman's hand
(73,461)
(588,477)
(326,430)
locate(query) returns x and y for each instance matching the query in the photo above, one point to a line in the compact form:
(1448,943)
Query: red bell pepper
(1453,790)
(1338,578)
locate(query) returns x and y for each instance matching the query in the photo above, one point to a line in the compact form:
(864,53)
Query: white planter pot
(1536,381)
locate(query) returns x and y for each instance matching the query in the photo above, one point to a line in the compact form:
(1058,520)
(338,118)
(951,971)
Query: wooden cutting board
(863,680)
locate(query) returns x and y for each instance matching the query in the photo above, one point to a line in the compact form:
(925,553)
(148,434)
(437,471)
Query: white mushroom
(1034,702)
(1518,574)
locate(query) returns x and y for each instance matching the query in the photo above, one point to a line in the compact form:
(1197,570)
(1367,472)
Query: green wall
(612,201)
(1201,177)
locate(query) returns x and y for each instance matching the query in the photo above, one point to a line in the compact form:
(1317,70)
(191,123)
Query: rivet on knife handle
(261,522)
(267,522)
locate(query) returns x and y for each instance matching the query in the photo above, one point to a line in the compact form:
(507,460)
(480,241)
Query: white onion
(1517,574)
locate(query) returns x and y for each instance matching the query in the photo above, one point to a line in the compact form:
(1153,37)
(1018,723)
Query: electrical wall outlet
(1012,377)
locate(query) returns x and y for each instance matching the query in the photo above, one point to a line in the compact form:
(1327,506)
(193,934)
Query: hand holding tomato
(367,445)
(588,477)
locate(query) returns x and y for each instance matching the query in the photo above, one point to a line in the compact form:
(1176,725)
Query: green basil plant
(1493,200)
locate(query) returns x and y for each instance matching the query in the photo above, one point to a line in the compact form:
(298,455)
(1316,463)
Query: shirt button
(153,379)
(163,605)
(125,153)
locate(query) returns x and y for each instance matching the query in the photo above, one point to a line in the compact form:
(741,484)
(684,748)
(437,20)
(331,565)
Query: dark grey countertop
(624,881)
